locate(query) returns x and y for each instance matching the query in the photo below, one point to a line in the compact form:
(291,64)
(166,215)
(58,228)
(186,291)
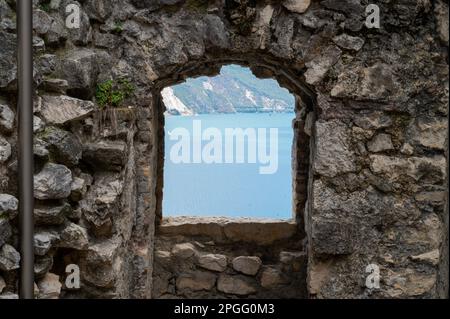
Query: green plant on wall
(113,93)
(110,95)
(118,27)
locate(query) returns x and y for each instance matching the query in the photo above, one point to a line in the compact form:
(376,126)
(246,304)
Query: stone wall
(220,258)
(374,107)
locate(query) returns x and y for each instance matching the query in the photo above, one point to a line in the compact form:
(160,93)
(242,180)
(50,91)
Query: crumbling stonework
(372,104)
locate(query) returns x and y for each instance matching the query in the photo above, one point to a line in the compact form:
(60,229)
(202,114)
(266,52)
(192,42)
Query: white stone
(49,287)
(297,6)
(431,257)
(213,262)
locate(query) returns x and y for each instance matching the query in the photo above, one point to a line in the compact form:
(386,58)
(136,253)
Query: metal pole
(26,162)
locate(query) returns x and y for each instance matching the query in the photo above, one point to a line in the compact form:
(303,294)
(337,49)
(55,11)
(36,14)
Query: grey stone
(2,284)
(105,40)
(38,47)
(415,167)
(5,231)
(6,119)
(43,242)
(50,216)
(65,147)
(5,150)
(79,189)
(429,132)
(55,85)
(102,201)
(373,121)
(99,10)
(75,237)
(333,153)
(81,68)
(349,42)
(53,182)
(38,124)
(196,281)
(213,262)
(380,143)
(103,253)
(377,83)
(318,67)
(235,285)
(63,109)
(40,149)
(8,64)
(8,206)
(107,155)
(57,34)
(216,36)
(47,63)
(42,22)
(43,265)
(248,265)
(9,258)
(333,238)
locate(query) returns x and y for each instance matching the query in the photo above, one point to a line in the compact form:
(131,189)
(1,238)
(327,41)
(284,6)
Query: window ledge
(229,230)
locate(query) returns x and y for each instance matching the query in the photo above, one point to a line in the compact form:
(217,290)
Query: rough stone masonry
(369,159)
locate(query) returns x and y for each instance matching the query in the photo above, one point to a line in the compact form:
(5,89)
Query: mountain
(235,90)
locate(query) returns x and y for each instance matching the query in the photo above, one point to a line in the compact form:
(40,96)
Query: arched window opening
(228,147)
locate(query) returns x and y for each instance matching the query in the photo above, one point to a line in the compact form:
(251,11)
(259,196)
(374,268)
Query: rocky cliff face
(235,90)
(369,155)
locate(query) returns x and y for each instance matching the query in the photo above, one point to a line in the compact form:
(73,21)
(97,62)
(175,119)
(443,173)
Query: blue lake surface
(230,190)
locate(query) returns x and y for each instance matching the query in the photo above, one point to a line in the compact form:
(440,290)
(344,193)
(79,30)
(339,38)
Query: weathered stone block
(8,206)
(213,262)
(196,281)
(108,155)
(49,287)
(248,265)
(334,155)
(236,285)
(53,182)
(272,277)
(63,109)
(9,258)
(332,237)
(7,117)
(184,251)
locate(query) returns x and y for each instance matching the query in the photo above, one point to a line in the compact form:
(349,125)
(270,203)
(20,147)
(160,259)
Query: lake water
(229,190)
